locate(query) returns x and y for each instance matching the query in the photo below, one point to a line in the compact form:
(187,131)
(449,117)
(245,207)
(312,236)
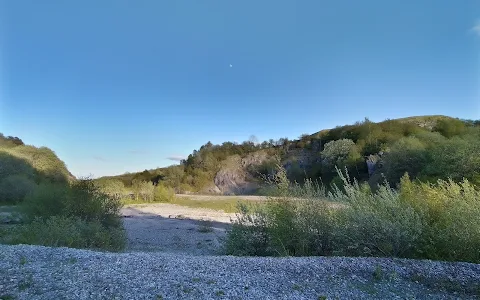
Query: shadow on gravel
(173,234)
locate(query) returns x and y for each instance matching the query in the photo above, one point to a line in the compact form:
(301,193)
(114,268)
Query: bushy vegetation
(199,169)
(74,215)
(56,209)
(23,167)
(419,220)
(428,148)
(74,232)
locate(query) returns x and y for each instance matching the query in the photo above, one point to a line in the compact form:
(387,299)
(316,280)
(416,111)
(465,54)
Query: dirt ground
(172,228)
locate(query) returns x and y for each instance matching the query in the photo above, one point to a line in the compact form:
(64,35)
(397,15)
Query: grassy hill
(23,167)
(369,152)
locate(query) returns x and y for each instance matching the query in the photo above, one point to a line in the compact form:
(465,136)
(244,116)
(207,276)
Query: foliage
(406,155)
(143,190)
(112,187)
(455,158)
(62,231)
(82,199)
(57,209)
(163,193)
(420,220)
(11,166)
(10,141)
(410,145)
(336,152)
(14,188)
(38,164)
(451,127)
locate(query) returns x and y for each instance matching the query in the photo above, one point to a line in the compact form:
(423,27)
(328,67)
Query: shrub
(77,215)
(61,231)
(456,158)
(81,199)
(48,199)
(449,213)
(13,189)
(164,194)
(335,152)
(433,221)
(406,155)
(450,127)
(112,187)
(143,190)
(11,165)
(248,235)
(86,201)
(375,224)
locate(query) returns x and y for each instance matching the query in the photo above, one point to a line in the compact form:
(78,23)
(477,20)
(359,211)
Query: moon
(231,65)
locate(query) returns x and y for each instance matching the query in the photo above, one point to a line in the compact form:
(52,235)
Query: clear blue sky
(116,86)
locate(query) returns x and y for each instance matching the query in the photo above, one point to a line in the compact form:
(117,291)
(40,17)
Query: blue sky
(116,86)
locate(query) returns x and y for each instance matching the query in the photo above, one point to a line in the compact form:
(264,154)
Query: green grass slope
(23,167)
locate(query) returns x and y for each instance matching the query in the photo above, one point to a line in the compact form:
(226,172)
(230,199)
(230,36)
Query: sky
(118,86)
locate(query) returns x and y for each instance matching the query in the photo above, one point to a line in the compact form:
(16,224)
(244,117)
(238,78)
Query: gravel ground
(175,229)
(36,272)
(170,256)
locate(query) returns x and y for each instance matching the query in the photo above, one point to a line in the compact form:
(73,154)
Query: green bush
(450,215)
(61,231)
(248,235)
(48,199)
(112,187)
(336,152)
(86,201)
(433,221)
(374,224)
(77,215)
(143,190)
(163,193)
(12,165)
(406,155)
(450,127)
(454,158)
(81,199)
(13,189)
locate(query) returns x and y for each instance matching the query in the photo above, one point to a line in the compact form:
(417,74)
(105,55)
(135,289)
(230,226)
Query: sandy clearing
(172,228)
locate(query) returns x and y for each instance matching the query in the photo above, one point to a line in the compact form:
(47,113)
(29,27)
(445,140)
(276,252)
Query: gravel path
(36,272)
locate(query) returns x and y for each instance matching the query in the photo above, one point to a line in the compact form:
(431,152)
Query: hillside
(23,167)
(368,150)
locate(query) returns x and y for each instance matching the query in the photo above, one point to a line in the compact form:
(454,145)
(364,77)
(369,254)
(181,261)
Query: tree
(112,187)
(143,190)
(407,155)
(336,152)
(253,139)
(456,158)
(450,127)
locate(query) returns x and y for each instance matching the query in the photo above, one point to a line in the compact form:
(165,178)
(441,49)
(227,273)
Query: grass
(436,221)
(219,203)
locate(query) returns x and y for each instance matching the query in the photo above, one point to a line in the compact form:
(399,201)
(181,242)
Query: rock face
(234,178)
(212,189)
